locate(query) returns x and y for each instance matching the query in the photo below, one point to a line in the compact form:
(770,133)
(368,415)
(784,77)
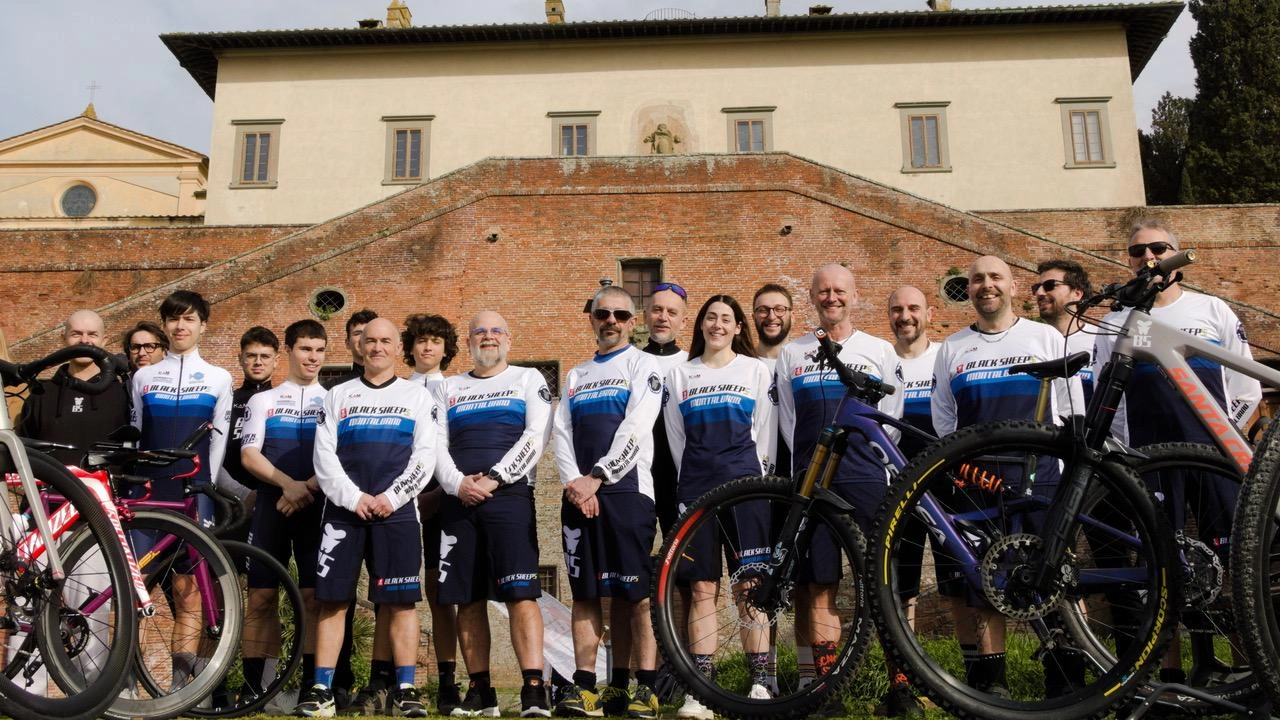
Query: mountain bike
(42,587)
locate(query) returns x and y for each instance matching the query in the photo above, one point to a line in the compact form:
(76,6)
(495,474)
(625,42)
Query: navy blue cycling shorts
(392,551)
(741,536)
(490,551)
(297,535)
(823,564)
(610,555)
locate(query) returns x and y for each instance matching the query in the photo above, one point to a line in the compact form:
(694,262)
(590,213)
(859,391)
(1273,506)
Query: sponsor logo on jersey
(655,382)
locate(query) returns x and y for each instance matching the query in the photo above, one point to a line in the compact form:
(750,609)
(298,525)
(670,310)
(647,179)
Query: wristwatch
(599,473)
(493,473)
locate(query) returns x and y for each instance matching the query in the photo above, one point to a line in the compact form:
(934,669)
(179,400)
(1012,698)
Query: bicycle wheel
(753,604)
(185,648)
(974,633)
(1197,488)
(93,623)
(273,634)
(1255,564)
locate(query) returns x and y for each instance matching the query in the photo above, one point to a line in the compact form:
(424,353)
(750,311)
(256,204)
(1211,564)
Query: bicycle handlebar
(869,389)
(108,365)
(1142,289)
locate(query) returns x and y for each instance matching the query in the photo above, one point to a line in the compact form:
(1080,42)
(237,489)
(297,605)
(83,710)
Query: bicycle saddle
(1053,369)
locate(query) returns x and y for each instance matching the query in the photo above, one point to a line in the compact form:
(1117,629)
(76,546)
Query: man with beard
(499,417)
(1063,282)
(771,313)
(604,449)
(666,314)
(909,318)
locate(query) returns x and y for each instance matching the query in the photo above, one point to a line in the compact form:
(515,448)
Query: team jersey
(376,440)
(281,424)
(606,418)
(170,400)
(808,396)
(972,385)
(498,423)
(1080,341)
(1152,410)
(720,422)
(915,377)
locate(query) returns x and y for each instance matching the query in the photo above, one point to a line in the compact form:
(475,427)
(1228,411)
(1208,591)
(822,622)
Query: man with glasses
(1061,283)
(771,314)
(144,344)
(498,417)
(666,315)
(1153,412)
(258,351)
(604,450)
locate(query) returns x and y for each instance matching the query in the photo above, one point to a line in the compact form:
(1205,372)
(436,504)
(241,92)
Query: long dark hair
(742,344)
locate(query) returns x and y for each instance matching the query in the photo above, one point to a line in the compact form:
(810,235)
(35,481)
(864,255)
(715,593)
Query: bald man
(59,413)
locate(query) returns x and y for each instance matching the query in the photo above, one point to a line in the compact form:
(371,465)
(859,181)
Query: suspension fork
(821,471)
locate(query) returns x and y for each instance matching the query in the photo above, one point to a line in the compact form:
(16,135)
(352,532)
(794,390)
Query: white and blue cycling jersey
(170,400)
(915,377)
(379,440)
(606,418)
(972,384)
(1152,411)
(281,424)
(498,423)
(1080,341)
(808,395)
(721,423)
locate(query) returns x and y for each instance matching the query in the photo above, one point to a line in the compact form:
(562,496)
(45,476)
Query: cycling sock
(704,664)
(381,673)
(531,676)
(253,671)
(772,677)
(184,668)
(759,665)
(970,654)
(405,675)
(620,678)
(585,679)
(989,672)
(308,667)
(324,676)
(804,664)
(824,657)
(648,678)
(480,680)
(447,670)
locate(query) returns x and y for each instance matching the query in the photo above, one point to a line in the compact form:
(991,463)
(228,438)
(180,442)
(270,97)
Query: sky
(52,52)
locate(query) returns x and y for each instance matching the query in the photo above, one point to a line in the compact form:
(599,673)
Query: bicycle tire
(114,629)
(1121,536)
(721,511)
(1255,563)
(291,614)
(147,694)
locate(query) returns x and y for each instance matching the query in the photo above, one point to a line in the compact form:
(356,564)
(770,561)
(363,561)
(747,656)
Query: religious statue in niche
(662,141)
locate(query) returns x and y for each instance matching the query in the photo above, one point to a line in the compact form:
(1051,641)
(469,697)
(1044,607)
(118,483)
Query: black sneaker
(448,697)
(480,702)
(535,701)
(316,701)
(341,698)
(900,702)
(367,703)
(405,702)
(614,701)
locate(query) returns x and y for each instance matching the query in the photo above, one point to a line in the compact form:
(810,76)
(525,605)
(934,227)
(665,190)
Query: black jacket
(60,413)
(231,461)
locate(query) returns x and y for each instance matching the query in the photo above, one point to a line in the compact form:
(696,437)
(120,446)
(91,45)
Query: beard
(776,340)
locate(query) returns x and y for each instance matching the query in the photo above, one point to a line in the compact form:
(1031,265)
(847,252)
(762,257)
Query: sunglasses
(620,315)
(1050,285)
(673,288)
(1156,248)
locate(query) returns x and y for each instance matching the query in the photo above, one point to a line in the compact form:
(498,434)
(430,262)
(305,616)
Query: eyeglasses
(672,287)
(144,347)
(620,315)
(1050,285)
(494,331)
(779,310)
(1156,248)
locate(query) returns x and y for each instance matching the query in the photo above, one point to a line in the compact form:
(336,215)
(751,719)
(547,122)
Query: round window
(956,289)
(78,201)
(327,302)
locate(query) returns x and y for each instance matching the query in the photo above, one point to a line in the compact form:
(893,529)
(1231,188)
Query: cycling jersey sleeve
(764,421)
(942,405)
(671,417)
(422,463)
(334,482)
(641,413)
(523,457)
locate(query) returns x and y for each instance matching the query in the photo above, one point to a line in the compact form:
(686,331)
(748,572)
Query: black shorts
(494,548)
(822,565)
(1208,497)
(741,538)
(297,535)
(609,555)
(391,550)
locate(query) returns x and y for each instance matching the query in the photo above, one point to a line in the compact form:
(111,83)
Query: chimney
(369,23)
(398,15)
(555,12)
(772,8)
(940,5)
(819,9)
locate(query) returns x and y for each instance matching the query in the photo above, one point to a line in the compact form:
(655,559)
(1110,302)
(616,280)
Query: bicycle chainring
(1203,573)
(1004,568)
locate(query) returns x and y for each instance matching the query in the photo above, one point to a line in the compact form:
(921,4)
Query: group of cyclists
(397,474)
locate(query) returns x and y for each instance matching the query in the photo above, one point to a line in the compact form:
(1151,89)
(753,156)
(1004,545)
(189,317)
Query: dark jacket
(231,461)
(63,414)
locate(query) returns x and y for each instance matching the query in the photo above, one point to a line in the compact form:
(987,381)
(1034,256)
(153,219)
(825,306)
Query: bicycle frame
(26,478)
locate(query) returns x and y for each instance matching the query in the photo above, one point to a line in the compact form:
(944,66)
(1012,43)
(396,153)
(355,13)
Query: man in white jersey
(972,386)
(808,394)
(604,448)
(1153,412)
(1061,283)
(771,314)
(499,419)
(277,439)
(668,309)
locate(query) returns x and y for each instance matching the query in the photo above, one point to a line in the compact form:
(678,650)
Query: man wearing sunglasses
(666,314)
(1061,283)
(604,452)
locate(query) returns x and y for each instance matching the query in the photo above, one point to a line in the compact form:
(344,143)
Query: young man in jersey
(277,442)
(604,447)
(1061,283)
(969,388)
(1154,412)
(259,350)
(375,449)
(430,345)
(171,399)
(499,418)
(808,395)
(668,309)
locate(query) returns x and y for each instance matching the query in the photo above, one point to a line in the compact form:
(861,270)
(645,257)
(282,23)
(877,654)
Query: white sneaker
(694,709)
(760,692)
